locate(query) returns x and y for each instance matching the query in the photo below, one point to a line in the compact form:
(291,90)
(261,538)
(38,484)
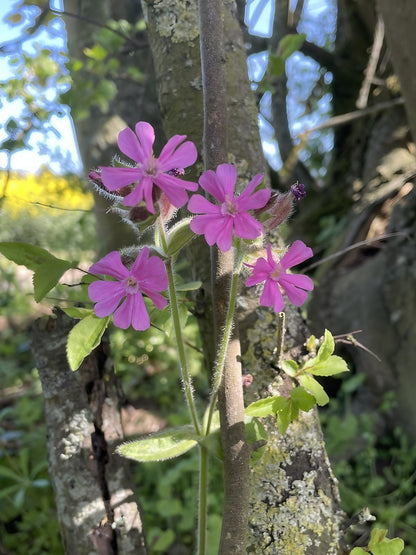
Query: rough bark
(173,33)
(96,507)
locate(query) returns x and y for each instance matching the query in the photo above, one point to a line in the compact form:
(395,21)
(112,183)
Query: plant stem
(203,500)
(223,346)
(183,364)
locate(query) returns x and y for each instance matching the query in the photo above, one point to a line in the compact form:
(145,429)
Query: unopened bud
(166,208)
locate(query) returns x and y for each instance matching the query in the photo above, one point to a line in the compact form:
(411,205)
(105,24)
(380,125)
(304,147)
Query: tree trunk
(305,489)
(96,506)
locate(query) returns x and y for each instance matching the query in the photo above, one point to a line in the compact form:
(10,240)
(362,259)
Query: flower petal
(296,296)
(297,253)
(129,145)
(139,317)
(257,179)
(110,265)
(114,178)
(227,176)
(256,200)
(146,135)
(174,188)
(200,205)
(107,295)
(199,224)
(157,299)
(272,296)
(298,280)
(225,234)
(247,227)
(210,184)
(184,156)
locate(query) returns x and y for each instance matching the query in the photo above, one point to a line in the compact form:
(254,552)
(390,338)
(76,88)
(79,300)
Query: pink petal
(146,135)
(297,253)
(110,265)
(184,156)
(174,188)
(129,144)
(114,178)
(158,300)
(257,200)
(199,224)
(270,258)
(298,280)
(296,296)
(247,227)
(140,317)
(257,179)
(107,298)
(225,234)
(227,176)
(169,149)
(142,190)
(210,184)
(272,296)
(152,275)
(200,205)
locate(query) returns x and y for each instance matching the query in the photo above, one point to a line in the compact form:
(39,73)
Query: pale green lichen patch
(177,19)
(75,434)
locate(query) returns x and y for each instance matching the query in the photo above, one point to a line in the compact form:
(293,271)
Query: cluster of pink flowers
(229,216)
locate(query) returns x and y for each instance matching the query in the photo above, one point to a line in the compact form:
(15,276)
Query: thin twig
(372,64)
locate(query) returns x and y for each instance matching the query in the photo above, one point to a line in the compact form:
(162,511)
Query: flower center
(276,272)
(228,208)
(152,167)
(131,285)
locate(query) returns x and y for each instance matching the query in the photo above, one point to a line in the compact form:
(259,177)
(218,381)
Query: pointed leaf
(289,44)
(329,367)
(25,254)
(212,442)
(48,275)
(315,388)
(77,312)
(189,286)
(179,236)
(327,347)
(290,367)
(263,407)
(255,431)
(284,418)
(304,400)
(167,445)
(84,338)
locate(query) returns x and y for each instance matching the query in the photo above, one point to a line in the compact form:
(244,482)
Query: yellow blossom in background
(28,193)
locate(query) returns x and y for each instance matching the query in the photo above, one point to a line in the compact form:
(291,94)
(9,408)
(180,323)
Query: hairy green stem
(180,343)
(203,500)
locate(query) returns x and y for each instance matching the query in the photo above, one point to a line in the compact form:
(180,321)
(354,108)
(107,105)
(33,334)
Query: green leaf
(25,254)
(289,44)
(255,431)
(380,545)
(304,400)
(284,417)
(164,540)
(290,367)
(263,407)
(327,347)
(189,286)
(97,52)
(358,551)
(77,312)
(315,388)
(212,442)
(276,65)
(84,338)
(48,275)
(167,445)
(331,366)
(179,236)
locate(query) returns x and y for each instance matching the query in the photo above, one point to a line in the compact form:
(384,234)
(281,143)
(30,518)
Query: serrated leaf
(284,418)
(77,312)
(290,367)
(327,347)
(255,431)
(304,400)
(84,337)
(289,44)
(179,236)
(262,407)
(167,445)
(315,388)
(47,275)
(331,366)
(25,254)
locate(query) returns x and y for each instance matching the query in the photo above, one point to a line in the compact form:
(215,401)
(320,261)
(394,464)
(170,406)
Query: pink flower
(218,221)
(147,275)
(274,273)
(150,171)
